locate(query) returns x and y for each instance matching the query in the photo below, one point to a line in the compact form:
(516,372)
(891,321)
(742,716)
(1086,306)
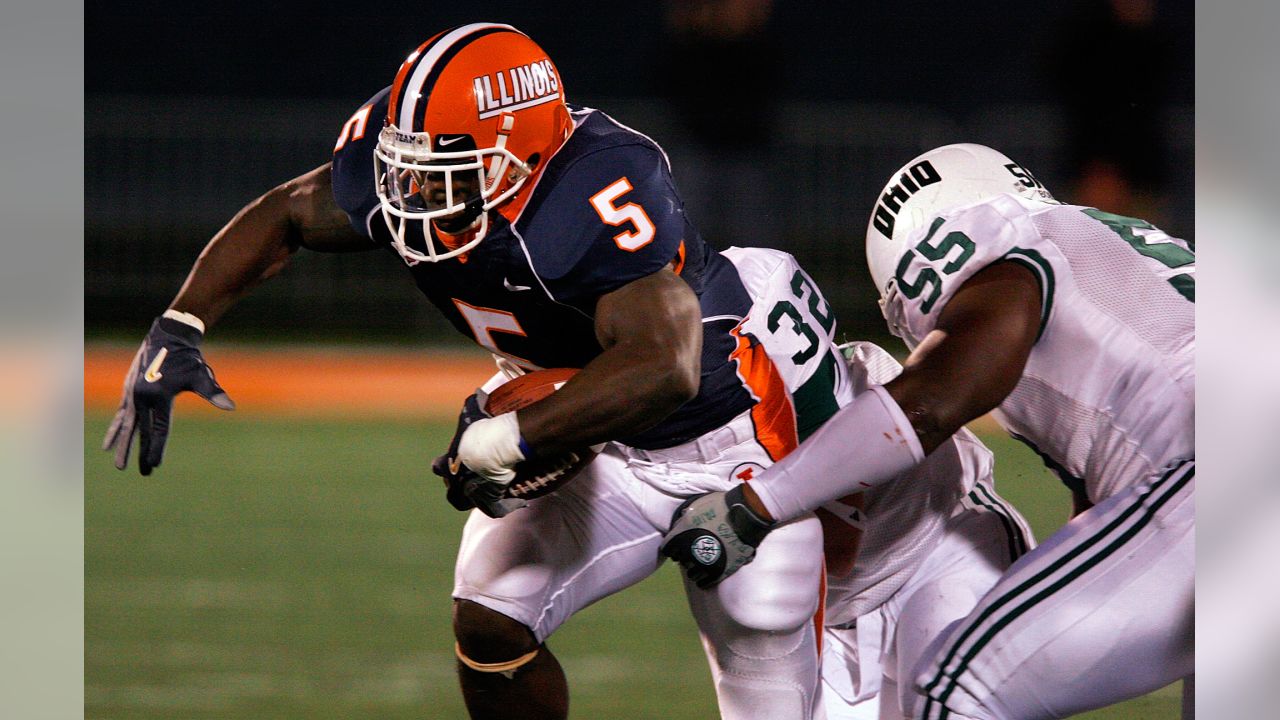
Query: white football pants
(600,533)
(867,668)
(1101,612)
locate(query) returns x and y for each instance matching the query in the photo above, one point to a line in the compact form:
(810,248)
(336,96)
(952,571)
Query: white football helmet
(943,178)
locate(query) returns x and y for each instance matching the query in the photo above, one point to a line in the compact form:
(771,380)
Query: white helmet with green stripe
(942,178)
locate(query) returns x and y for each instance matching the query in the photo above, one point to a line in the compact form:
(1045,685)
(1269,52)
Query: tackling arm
(974,357)
(965,367)
(962,369)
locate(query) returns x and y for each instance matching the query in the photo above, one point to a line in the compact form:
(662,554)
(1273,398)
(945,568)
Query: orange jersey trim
(773,415)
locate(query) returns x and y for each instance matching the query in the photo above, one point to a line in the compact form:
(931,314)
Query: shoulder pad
(946,252)
(603,217)
(353,181)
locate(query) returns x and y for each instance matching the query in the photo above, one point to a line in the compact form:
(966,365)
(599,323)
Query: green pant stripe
(1012,595)
(1009,534)
(983,497)
(1020,532)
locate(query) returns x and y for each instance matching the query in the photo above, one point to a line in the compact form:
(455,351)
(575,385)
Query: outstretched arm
(252,247)
(257,243)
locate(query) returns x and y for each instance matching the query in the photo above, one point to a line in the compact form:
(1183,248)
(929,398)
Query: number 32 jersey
(1108,393)
(604,212)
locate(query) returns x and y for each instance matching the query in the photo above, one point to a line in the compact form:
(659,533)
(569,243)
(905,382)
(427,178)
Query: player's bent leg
(1101,612)
(518,578)
(501,666)
(758,627)
(864,661)
(980,544)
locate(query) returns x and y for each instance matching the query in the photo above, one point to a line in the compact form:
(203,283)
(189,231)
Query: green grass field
(302,569)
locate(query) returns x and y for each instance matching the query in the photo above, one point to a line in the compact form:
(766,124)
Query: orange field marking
(313,382)
(325,382)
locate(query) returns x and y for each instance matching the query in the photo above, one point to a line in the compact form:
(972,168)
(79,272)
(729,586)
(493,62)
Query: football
(540,475)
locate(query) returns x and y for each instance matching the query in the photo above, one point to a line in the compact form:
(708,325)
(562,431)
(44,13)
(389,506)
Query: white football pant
(867,668)
(1100,612)
(601,532)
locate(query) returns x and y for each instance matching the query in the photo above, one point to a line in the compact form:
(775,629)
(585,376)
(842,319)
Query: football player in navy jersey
(554,236)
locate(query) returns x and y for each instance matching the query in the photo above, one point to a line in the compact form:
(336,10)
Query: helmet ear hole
(530,165)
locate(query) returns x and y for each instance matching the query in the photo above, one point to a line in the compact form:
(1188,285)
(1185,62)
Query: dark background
(780,134)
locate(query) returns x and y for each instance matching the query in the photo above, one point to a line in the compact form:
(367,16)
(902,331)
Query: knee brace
(763,674)
(489,634)
(506,669)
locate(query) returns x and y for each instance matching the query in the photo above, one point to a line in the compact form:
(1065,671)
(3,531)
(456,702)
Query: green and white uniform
(933,542)
(1102,610)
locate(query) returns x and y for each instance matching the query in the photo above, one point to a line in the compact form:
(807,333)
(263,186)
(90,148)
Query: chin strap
(506,123)
(508,669)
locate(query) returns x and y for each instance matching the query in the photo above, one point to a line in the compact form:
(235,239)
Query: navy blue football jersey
(528,291)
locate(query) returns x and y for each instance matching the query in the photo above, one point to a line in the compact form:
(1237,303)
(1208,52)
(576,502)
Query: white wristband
(491,447)
(867,443)
(185,318)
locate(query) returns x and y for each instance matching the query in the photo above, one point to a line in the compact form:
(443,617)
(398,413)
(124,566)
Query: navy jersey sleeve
(353,182)
(611,217)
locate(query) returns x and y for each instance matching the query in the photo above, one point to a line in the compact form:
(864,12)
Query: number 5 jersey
(604,211)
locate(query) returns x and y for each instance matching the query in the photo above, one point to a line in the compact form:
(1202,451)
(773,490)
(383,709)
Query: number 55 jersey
(1107,397)
(604,211)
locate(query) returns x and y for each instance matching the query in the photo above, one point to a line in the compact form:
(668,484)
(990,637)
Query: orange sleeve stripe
(679,261)
(773,415)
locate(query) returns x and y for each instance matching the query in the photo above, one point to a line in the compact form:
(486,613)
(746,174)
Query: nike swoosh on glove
(169,362)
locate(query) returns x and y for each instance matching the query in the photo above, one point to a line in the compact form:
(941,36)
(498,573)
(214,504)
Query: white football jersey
(904,519)
(1108,394)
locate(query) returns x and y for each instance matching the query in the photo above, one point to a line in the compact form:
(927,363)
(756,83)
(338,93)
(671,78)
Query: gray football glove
(714,535)
(168,363)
